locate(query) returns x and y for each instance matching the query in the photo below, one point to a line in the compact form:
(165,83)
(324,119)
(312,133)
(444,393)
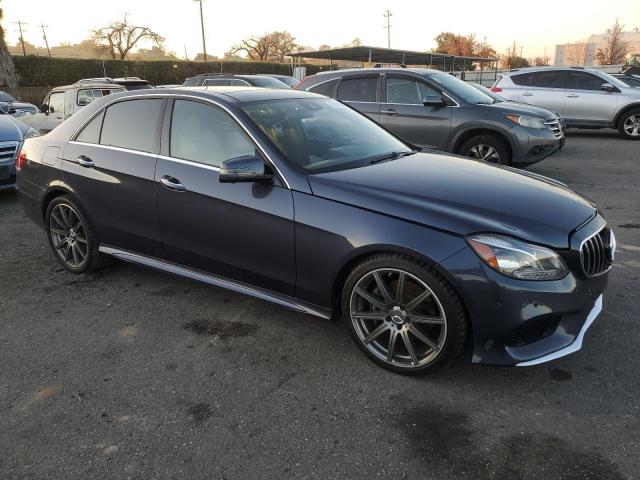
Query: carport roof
(391,55)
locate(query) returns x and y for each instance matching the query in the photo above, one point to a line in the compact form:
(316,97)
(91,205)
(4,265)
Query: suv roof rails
(578,68)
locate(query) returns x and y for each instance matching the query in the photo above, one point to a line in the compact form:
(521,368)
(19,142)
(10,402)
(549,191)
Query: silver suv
(586,98)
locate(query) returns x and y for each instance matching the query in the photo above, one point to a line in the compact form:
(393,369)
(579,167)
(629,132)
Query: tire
(488,148)
(629,125)
(72,236)
(427,304)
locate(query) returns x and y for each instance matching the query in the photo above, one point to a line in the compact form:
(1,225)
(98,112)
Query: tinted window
(190,82)
(358,89)
(56,102)
(326,88)
(132,124)
(234,82)
(404,90)
(461,89)
(584,81)
(269,82)
(85,97)
(206,134)
(524,79)
(91,132)
(551,79)
(216,82)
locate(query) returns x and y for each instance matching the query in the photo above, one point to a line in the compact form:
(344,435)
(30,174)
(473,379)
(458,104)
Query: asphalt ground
(132,373)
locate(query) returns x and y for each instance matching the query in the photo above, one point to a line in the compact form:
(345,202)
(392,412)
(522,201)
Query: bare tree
(7,70)
(541,61)
(575,53)
(272,46)
(120,38)
(616,49)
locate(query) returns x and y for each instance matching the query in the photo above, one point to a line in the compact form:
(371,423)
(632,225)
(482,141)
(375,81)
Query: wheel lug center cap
(398,315)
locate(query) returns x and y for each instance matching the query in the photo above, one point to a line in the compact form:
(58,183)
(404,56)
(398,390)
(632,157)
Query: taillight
(496,89)
(21,160)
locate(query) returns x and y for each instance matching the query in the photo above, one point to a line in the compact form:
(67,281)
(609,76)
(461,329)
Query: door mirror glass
(607,87)
(44,108)
(247,168)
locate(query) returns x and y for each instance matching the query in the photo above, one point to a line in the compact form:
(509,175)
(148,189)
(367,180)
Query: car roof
(227,94)
(381,69)
(89,85)
(516,71)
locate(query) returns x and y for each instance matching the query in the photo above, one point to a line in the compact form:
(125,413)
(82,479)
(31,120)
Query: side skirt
(263,294)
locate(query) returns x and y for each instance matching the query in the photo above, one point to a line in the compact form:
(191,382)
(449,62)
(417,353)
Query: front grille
(554,126)
(533,330)
(595,253)
(8,150)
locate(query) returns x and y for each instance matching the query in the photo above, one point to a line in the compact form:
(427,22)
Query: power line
(388,16)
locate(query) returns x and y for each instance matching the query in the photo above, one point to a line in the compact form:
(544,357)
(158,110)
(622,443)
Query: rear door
(361,92)
(545,89)
(586,103)
(111,167)
(403,111)
(243,231)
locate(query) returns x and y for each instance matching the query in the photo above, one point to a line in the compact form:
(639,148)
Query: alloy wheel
(632,125)
(484,152)
(398,318)
(68,235)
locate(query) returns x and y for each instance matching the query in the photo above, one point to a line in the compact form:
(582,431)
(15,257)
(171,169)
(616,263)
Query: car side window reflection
(205,134)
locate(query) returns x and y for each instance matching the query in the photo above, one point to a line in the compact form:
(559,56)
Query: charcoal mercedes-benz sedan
(297,199)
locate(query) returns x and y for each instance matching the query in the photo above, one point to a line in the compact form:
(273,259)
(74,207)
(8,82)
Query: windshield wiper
(391,156)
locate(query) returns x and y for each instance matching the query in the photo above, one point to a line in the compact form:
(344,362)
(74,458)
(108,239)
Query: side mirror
(433,101)
(607,87)
(248,168)
(44,108)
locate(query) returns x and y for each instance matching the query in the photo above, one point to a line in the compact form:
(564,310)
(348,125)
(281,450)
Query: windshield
(322,135)
(5,97)
(461,89)
(268,82)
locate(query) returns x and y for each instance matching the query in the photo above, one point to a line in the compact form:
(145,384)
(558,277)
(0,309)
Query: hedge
(39,71)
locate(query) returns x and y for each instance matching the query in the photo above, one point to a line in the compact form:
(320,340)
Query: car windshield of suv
(322,135)
(268,82)
(461,89)
(5,97)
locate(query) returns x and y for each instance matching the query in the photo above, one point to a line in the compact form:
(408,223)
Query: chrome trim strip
(581,255)
(573,347)
(191,97)
(117,149)
(189,162)
(216,280)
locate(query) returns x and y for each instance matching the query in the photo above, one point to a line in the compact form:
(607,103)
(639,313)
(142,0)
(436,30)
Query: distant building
(566,53)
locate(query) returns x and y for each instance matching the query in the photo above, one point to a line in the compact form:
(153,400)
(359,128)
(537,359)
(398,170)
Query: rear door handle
(85,161)
(527,94)
(389,111)
(172,183)
(572,95)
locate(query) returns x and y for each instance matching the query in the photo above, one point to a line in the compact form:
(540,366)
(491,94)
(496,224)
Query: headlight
(32,132)
(518,259)
(527,121)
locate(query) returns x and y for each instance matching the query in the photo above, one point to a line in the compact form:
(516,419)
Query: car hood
(462,196)
(11,130)
(523,109)
(23,105)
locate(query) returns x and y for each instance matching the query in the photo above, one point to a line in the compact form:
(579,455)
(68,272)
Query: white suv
(586,98)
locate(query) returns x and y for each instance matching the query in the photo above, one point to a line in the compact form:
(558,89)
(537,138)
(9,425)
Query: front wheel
(486,147)
(403,315)
(629,126)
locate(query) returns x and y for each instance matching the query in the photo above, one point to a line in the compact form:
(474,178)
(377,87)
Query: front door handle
(572,95)
(527,94)
(389,111)
(85,161)
(172,183)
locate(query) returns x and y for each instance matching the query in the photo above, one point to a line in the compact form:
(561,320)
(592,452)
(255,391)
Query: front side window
(584,81)
(132,124)
(551,79)
(460,88)
(407,91)
(321,135)
(358,89)
(56,102)
(91,132)
(205,134)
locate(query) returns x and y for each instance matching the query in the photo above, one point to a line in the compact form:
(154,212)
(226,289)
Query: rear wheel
(72,236)
(488,148)
(629,126)
(403,315)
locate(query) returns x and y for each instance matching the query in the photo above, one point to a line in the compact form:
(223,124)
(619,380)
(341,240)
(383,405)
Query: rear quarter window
(326,88)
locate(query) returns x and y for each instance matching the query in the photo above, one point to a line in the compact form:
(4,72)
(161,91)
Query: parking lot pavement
(131,373)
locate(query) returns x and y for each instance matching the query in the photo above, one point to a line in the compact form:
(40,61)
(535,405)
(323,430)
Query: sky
(536,25)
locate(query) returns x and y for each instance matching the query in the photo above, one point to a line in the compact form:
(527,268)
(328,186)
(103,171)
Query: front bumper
(7,175)
(534,145)
(517,322)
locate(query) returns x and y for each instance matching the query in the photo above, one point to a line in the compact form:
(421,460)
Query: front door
(242,231)
(545,89)
(586,103)
(403,112)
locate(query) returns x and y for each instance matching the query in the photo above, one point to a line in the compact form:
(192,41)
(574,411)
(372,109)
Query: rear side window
(85,97)
(216,82)
(325,88)
(358,89)
(132,124)
(91,132)
(205,134)
(552,79)
(190,82)
(584,81)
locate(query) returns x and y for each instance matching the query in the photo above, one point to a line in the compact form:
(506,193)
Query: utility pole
(24,51)
(521,50)
(44,36)
(388,16)
(204,44)
(186,57)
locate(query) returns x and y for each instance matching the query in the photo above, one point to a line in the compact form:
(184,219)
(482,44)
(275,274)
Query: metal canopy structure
(379,55)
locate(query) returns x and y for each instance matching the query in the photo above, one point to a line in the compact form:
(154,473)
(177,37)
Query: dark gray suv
(433,109)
